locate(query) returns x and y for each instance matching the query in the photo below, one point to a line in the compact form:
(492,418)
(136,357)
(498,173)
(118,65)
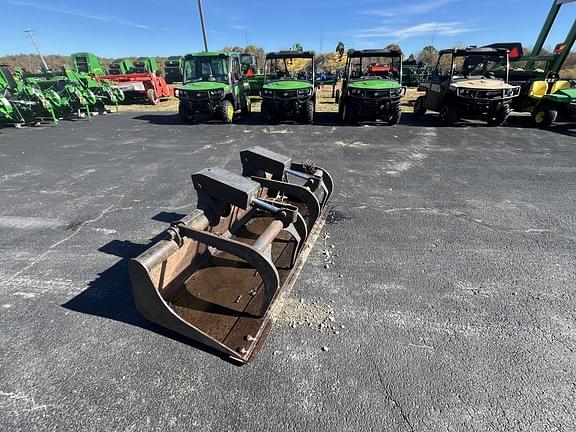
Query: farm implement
(120,67)
(22,103)
(218,275)
(68,98)
(87,70)
(173,69)
(143,86)
(141,83)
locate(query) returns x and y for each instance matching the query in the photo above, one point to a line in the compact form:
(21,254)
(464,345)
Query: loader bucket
(219,273)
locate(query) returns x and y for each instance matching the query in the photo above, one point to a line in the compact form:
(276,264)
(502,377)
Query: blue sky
(168,27)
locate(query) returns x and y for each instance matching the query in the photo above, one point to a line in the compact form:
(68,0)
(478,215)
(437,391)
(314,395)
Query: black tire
(308,112)
(346,114)
(498,118)
(394,115)
(246,106)
(544,117)
(449,114)
(337,96)
(420,106)
(152,97)
(267,113)
(186,114)
(226,111)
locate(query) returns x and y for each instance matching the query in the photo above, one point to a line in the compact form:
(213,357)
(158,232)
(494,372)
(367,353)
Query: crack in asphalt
(76,229)
(392,399)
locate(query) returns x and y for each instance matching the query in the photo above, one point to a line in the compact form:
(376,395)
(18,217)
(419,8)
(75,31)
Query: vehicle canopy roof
(289,54)
(374,53)
(221,54)
(475,51)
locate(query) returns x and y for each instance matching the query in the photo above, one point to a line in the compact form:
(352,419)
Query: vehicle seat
(560,85)
(538,89)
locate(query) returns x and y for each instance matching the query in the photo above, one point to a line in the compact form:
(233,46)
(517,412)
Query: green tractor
(173,69)
(213,84)
(21,102)
(372,86)
(120,66)
(289,91)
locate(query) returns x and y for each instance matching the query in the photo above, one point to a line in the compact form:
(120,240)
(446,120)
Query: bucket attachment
(218,273)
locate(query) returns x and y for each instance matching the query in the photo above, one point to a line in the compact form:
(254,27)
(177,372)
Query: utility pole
(201,12)
(321,37)
(245,37)
(30,34)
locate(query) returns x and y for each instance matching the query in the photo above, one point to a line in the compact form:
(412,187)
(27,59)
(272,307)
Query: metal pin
(238,299)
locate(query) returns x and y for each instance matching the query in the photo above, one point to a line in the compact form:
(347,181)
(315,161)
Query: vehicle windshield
(206,69)
(479,66)
(289,69)
(375,68)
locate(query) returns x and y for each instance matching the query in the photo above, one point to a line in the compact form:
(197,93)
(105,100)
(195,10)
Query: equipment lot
(442,285)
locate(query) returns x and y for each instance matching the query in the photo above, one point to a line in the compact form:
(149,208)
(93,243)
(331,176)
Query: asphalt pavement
(439,297)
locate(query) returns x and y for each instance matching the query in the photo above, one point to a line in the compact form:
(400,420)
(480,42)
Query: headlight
(218,92)
(267,92)
(176,92)
(465,92)
(356,92)
(304,92)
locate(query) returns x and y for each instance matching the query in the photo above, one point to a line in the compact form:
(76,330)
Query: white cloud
(78,13)
(440,29)
(238,27)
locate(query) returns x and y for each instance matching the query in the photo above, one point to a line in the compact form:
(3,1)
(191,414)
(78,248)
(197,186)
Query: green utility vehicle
(289,90)
(464,85)
(145,64)
(120,66)
(372,86)
(173,69)
(559,103)
(213,84)
(22,103)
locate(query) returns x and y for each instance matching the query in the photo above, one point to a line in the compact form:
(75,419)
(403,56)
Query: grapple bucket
(217,276)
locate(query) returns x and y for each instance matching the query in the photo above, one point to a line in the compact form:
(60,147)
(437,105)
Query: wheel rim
(229,112)
(540,115)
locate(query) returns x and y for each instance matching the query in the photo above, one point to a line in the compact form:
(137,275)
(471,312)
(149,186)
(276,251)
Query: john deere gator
(372,86)
(213,84)
(288,91)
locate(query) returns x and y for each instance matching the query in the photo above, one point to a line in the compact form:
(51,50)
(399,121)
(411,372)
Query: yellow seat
(538,89)
(560,85)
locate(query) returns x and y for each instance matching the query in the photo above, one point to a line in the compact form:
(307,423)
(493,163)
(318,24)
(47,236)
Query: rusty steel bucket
(219,273)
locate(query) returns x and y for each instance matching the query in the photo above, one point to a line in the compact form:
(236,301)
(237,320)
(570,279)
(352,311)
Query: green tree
(428,55)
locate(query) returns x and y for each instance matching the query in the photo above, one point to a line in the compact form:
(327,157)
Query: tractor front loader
(219,273)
